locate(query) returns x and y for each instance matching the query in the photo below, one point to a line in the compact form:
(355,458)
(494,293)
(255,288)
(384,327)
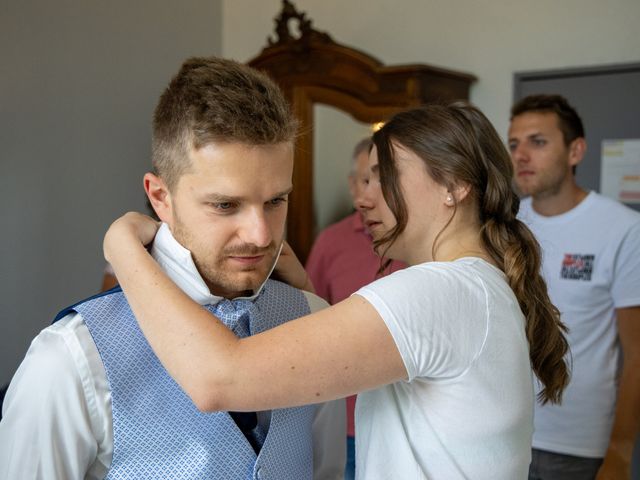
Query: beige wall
(491,39)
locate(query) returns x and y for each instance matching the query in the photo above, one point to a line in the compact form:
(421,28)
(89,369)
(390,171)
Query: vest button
(259,473)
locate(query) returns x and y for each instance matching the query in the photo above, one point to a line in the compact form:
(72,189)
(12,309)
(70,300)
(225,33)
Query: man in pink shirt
(342,260)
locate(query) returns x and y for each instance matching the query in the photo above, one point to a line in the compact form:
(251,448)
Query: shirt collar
(178,264)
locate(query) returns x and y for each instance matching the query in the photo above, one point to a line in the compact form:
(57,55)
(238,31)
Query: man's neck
(231,295)
(560,202)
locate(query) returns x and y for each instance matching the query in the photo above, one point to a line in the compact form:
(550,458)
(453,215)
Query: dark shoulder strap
(66,311)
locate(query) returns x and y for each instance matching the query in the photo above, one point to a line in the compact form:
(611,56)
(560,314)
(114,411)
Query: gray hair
(363,145)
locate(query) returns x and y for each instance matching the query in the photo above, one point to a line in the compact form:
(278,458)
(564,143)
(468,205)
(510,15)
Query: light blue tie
(237,316)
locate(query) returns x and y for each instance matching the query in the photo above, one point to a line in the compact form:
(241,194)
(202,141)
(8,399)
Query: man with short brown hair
(91,399)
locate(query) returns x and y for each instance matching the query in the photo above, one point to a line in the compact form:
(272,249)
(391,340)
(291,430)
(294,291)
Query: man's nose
(363,199)
(255,229)
(519,154)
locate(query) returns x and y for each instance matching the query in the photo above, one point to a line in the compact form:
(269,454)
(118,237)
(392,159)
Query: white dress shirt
(57,420)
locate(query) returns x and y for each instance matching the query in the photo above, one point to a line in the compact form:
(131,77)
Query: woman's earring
(449,200)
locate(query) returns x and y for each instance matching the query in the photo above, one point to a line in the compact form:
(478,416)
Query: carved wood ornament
(311,68)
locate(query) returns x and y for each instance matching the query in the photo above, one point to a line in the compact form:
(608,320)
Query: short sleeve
(625,288)
(436,316)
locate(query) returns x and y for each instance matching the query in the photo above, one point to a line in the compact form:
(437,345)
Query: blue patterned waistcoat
(159,433)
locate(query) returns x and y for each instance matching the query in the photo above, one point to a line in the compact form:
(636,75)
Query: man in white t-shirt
(591,263)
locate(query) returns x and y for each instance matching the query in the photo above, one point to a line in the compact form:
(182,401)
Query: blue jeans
(557,466)
(350,469)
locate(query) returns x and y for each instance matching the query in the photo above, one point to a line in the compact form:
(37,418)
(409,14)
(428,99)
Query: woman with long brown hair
(443,351)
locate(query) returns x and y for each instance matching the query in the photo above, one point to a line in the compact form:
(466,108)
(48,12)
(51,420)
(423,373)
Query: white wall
(78,83)
(490,39)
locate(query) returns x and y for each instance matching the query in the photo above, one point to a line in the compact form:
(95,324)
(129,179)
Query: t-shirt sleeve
(438,323)
(626,276)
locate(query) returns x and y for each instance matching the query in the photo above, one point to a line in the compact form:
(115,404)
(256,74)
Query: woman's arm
(290,270)
(332,353)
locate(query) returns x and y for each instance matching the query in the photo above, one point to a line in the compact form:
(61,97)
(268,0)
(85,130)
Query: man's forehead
(239,170)
(362,163)
(372,164)
(229,193)
(222,146)
(235,155)
(532,123)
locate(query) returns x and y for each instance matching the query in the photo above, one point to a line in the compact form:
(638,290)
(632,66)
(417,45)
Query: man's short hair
(363,145)
(568,119)
(216,100)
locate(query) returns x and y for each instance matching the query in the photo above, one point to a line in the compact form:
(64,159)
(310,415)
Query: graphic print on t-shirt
(577,267)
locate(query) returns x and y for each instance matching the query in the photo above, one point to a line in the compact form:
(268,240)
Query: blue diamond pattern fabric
(158,431)
(237,315)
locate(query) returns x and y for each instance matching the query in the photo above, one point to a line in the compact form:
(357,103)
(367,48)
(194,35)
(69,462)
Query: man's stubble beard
(550,182)
(218,278)
(211,266)
(549,187)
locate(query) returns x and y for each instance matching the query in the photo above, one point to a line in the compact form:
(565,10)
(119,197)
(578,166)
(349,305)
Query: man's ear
(159,197)
(577,149)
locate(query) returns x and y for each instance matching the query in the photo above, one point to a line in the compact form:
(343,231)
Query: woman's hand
(132,228)
(290,270)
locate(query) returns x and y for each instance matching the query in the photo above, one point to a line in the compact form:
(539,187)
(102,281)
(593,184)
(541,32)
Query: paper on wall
(620,170)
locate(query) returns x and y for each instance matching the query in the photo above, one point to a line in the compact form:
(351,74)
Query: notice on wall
(620,170)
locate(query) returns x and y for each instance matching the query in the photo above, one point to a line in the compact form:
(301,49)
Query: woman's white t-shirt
(466,409)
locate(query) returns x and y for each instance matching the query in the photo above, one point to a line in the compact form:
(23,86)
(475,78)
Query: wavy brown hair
(459,146)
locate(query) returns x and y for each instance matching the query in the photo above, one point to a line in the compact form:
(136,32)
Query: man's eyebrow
(284,193)
(531,135)
(220,198)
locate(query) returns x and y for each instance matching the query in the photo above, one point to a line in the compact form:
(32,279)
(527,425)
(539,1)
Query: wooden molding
(313,69)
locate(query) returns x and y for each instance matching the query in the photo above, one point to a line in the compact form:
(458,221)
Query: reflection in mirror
(313,69)
(335,135)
